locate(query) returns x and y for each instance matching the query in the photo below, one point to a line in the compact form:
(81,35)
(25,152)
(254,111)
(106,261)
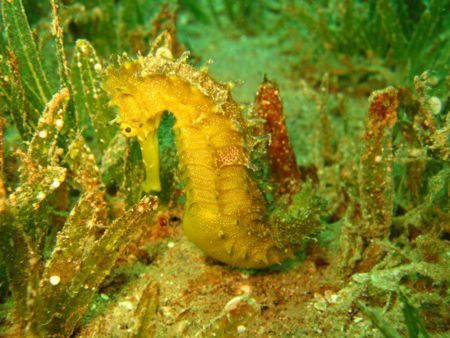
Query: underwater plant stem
(2,154)
(376,185)
(64,70)
(284,171)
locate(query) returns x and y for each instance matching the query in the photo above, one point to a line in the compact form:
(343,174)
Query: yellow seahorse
(225,210)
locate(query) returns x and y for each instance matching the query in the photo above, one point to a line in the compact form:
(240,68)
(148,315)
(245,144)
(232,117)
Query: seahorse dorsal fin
(162,46)
(164,52)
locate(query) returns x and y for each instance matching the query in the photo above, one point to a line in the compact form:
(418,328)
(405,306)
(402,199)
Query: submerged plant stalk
(376,186)
(285,174)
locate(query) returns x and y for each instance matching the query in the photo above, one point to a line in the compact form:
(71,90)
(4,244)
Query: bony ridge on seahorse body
(225,210)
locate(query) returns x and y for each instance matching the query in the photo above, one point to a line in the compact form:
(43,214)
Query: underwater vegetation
(297,186)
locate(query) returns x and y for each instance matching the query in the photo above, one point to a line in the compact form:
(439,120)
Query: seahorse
(225,211)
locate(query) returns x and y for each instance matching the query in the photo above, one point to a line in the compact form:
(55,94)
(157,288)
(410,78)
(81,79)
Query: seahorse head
(139,114)
(144,88)
(129,92)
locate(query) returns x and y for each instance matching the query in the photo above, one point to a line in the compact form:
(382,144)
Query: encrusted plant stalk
(22,226)
(57,31)
(284,172)
(376,186)
(2,166)
(134,173)
(24,120)
(85,252)
(434,139)
(21,42)
(90,101)
(225,210)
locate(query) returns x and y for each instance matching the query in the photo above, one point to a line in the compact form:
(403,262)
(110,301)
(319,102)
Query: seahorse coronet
(225,210)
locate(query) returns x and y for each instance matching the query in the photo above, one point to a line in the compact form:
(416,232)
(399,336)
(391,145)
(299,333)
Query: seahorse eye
(128,131)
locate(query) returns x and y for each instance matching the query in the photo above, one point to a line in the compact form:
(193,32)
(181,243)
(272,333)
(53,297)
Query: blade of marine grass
(20,41)
(91,102)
